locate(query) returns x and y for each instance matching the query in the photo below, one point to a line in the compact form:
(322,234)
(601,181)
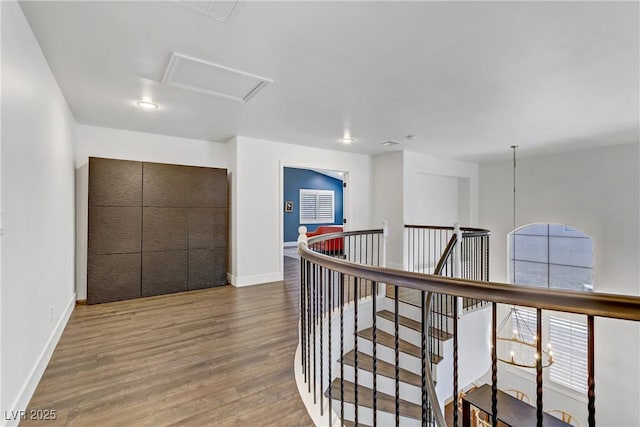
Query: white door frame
(345,201)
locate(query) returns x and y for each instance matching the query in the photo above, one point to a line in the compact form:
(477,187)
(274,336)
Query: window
(558,257)
(568,339)
(316,206)
(553,256)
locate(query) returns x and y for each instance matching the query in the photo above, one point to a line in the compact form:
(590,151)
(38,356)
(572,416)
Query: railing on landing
(435,250)
(330,284)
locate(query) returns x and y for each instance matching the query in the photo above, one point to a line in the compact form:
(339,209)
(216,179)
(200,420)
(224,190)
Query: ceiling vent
(197,75)
(220,10)
(390,143)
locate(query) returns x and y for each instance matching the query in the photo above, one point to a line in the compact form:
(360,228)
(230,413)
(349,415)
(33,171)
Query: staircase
(409,387)
(410,381)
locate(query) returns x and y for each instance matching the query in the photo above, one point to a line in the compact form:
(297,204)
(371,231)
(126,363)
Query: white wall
(258,205)
(232,168)
(414,188)
(38,218)
(388,199)
(440,191)
(598,192)
(95,141)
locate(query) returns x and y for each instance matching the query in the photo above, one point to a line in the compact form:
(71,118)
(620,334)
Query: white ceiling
(469,79)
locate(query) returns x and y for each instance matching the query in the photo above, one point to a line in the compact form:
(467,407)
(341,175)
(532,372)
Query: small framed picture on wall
(288,206)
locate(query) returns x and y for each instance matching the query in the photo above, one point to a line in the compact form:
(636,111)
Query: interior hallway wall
(37,188)
(256,212)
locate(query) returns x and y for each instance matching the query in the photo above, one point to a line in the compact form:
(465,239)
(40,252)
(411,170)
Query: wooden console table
(511,411)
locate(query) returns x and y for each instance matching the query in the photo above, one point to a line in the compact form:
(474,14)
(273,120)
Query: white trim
(257,279)
(345,203)
(290,244)
(29,387)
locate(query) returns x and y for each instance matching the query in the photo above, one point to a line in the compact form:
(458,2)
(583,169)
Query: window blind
(568,340)
(317,206)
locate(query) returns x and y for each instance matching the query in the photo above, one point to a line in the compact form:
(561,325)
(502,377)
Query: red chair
(331,246)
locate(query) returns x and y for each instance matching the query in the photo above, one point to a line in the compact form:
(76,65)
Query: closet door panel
(114,230)
(113,277)
(164,272)
(207,268)
(207,187)
(165,185)
(207,227)
(164,229)
(114,182)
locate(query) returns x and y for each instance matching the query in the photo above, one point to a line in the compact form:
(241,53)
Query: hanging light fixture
(516,342)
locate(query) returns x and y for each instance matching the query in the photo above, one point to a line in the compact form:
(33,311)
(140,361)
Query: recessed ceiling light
(390,143)
(147,105)
(347,140)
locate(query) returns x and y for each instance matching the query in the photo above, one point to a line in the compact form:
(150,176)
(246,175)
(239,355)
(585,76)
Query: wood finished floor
(217,357)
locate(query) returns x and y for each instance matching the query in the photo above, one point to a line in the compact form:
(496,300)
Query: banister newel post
(302,235)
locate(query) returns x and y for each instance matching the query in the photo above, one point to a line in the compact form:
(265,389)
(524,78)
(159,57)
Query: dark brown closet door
(155,229)
(208,227)
(115,230)
(165,200)
(164,250)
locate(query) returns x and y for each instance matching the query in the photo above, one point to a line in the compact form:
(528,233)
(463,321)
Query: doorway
(311,197)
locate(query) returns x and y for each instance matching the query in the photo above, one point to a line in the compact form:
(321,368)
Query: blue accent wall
(294,180)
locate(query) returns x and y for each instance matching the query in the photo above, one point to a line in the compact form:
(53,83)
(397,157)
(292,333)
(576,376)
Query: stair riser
(407,334)
(385,385)
(408,362)
(406,310)
(415,313)
(365,416)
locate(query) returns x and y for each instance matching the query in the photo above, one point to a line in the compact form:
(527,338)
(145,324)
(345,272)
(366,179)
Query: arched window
(559,257)
(551,255)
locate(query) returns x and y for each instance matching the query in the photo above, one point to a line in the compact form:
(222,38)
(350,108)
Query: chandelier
(517,343)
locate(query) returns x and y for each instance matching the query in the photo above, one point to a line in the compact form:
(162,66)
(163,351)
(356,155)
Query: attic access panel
(220,10)
(197,75)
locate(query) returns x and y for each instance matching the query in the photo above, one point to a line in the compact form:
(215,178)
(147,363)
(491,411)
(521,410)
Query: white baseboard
(258,279)
(290,244)
(38,369)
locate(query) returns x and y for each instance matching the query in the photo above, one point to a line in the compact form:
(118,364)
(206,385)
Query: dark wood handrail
(624,307)
(440,227)
(445,255)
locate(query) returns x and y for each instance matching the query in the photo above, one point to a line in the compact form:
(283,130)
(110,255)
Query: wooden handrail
(624,307)
(445,255)
(440,227)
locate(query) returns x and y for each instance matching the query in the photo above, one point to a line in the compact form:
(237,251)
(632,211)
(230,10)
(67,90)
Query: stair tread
(415,325)
(445,309)
(384,402)
(388,340)
(382,368)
